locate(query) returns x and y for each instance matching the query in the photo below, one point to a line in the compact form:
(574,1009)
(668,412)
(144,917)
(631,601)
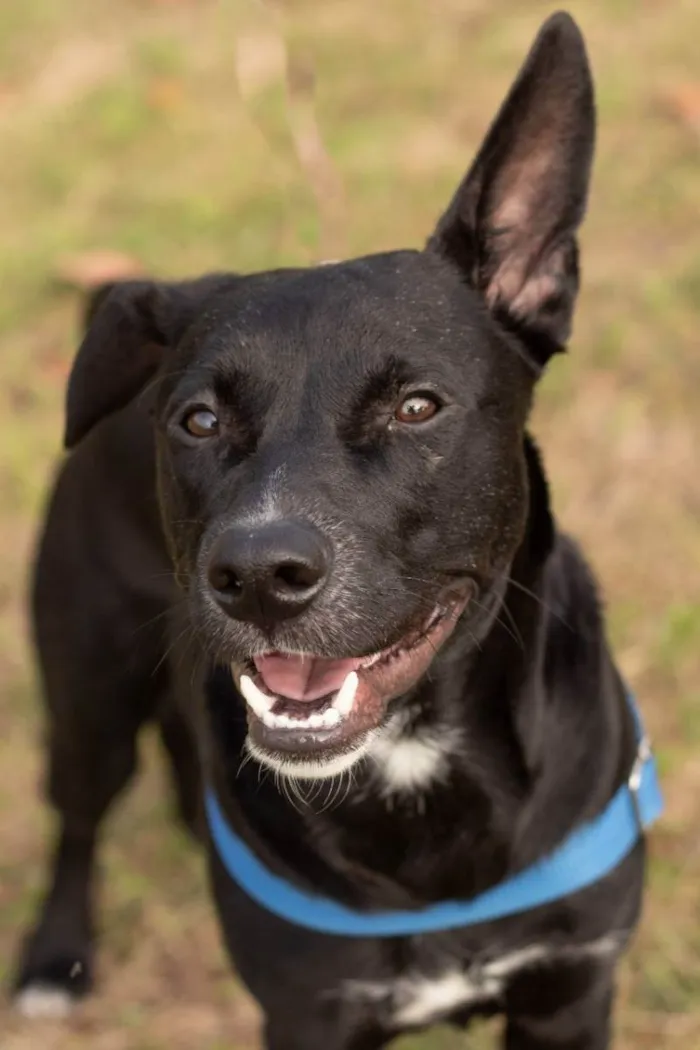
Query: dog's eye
(417,409)
(201,423)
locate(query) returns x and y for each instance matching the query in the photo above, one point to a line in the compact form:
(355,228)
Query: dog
(304,528)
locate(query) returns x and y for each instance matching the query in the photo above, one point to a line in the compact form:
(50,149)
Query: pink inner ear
(522,280)
(522,294)
(535,292)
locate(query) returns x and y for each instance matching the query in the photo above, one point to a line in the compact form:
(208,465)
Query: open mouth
(302,706)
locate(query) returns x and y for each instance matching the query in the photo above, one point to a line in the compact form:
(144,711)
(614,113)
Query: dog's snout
(268,574)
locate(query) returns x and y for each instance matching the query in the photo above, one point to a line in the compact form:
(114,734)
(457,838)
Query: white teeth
(261,704)
(346,695)
(318,720)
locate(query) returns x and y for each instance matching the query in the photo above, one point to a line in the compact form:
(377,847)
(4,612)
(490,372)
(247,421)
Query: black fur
(304,369)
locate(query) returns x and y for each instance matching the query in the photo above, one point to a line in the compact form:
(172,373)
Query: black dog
(376,602)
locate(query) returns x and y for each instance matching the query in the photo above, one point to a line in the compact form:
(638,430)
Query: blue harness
(585,857)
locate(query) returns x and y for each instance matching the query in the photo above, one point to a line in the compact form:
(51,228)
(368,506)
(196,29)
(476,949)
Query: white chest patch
(411,763)
(421,1001)
(416,1000)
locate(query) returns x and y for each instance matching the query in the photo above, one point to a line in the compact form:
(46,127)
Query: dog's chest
(418,999)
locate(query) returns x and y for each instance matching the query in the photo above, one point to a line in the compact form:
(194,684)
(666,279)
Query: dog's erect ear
(511,227)
(129,325)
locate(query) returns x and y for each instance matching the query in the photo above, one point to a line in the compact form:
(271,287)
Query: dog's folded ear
(93,300)
(129,325)
(511,226)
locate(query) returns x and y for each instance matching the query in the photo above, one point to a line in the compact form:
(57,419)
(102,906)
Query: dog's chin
(316,736)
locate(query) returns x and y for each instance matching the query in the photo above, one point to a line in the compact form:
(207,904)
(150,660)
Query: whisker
(516,637)
(538,599)
(169,649)
(160,616)
(246,760)
(514,624)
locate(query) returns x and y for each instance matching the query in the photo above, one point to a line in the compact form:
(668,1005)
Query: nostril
(225,580)
(295,576)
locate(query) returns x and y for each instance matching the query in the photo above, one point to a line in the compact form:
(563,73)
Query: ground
(189,136)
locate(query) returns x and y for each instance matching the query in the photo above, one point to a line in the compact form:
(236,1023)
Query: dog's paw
(50,988)
(44,1002)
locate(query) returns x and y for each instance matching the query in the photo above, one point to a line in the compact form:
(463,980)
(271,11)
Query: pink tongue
(303,677)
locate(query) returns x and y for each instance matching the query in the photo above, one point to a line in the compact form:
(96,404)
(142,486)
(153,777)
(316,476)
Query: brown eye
(201,423)
(417,409)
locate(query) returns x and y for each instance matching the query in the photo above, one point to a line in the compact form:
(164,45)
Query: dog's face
(341,449)
(342,477)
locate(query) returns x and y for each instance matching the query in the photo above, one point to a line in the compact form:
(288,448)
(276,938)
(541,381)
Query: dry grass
(191,135)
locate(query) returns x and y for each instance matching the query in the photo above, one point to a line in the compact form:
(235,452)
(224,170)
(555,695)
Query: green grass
(124,127)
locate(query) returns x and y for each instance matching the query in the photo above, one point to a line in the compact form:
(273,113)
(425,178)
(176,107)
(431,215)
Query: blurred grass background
(189,135)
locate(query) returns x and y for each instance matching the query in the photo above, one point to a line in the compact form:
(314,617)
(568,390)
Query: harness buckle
(634,781)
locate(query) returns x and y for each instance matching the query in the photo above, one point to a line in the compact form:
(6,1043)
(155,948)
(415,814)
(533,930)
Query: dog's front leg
(561,1010)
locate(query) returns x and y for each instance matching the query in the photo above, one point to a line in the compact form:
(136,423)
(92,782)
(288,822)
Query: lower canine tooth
(346,695)
(255,698)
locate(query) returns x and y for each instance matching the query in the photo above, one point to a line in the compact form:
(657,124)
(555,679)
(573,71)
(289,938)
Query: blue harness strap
(585,857)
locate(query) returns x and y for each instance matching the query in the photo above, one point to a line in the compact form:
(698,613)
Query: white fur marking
(426,999)
(42,1002)
(268,506)
(417,1000)
(412,763)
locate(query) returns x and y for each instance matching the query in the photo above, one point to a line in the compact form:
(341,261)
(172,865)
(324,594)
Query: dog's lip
(340,720)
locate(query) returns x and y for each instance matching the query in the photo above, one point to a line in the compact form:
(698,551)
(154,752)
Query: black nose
(268,574)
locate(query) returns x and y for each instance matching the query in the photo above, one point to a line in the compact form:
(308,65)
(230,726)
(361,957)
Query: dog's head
(341,449)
